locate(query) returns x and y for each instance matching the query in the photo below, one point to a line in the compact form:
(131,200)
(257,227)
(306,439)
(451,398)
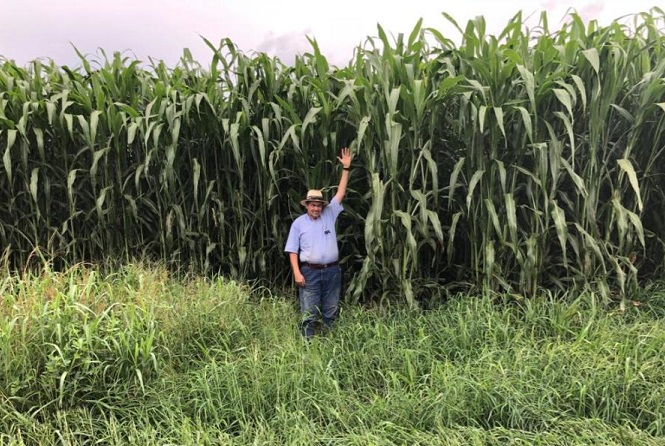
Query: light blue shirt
(315,241)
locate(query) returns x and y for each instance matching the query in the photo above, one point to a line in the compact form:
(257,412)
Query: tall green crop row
(527,159)
(562,134)
(545,144)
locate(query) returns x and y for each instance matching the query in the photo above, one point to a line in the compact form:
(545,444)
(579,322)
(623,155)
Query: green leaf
(591,55)
(406,222)
(95,164)
(498,112)
(559,218)
(34,183)
(7,157)
(637,224)
(99,202)
(494,218)
(579,182)
(472,185)
(511,216)
(309,119)
(565,99)
(453,180)
(627,167)
(481,118)
(71,177)
(451,236)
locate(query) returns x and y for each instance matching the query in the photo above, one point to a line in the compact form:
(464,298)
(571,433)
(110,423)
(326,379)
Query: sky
(160,29)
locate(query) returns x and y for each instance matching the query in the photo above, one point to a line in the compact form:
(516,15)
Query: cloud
(549,5)
(162,28)
(286,46)
(592,11)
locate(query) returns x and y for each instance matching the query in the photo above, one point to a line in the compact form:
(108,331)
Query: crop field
(503,243)
(138,357)
(512,162)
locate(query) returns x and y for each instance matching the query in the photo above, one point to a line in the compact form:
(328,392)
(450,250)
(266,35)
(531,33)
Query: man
(313,253)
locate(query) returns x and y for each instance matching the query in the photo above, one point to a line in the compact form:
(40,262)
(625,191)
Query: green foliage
(68,339)
(511,163)
(136,357)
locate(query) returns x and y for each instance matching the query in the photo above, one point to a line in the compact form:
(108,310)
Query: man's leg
(310,301)
(331,290)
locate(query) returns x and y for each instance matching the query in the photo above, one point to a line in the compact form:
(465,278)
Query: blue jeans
(319,297)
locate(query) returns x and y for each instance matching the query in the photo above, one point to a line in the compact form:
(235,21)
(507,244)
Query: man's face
(314,209)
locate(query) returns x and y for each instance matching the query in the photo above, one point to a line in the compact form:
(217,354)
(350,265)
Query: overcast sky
(160,29)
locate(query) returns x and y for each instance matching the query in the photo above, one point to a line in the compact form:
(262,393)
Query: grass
(138,357)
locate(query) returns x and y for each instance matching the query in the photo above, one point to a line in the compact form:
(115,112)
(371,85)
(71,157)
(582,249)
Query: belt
(319,265)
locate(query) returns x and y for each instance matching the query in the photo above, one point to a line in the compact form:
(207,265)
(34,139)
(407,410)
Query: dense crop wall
(528,159)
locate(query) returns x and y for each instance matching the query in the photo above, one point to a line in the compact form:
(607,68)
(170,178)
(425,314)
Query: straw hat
(314,195)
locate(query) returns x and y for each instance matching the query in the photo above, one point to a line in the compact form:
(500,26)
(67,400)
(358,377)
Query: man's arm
(345,160)
(297,275)
(292,248)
